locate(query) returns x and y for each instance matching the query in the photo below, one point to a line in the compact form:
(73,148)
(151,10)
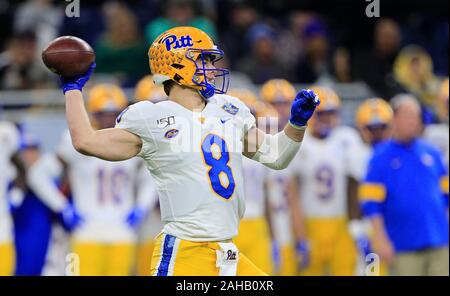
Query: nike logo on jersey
(223,120)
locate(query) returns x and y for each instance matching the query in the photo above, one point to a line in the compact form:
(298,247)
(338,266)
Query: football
(68,56)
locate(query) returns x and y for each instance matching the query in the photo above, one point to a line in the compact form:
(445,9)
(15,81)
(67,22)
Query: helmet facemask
(200,77)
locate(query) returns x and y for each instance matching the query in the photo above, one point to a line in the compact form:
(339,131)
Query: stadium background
(337,35)
(348,39)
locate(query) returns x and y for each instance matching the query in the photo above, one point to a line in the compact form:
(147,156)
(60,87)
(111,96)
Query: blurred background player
(437,133)
(33,218)
(146,89)
(151,226)
(320,193)
(254,236)
(9,143)
(278,94)
(374,122)
(405,196)
(111,197)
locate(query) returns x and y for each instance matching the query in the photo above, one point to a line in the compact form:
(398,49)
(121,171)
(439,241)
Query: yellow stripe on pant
(173,256)
(97,259)
(255,242)
(333,251)
(7,259)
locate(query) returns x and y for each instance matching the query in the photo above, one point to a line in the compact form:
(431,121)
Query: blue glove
(70,217)
(303,107)
(136,217)
(302,251)
(77,82)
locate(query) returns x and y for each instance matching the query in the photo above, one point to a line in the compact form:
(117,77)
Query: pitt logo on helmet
(172,40)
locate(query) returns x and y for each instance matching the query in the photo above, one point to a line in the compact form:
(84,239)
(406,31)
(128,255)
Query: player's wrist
(70,86)
(298,125)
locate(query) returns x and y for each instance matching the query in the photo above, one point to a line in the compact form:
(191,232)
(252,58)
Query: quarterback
(193,145)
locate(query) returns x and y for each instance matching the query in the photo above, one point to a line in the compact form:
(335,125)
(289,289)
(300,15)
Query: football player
(32,218)
(111,197)
(278,94)
(193,145)
(9,141)
(254,237)
(373,120)
(320,181)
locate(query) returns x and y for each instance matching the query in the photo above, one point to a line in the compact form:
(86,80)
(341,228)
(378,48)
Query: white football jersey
(196,161)
(255,175)
(323,167)
(438,135)
(104,193)
(9,143)
(277,191)
(360,157)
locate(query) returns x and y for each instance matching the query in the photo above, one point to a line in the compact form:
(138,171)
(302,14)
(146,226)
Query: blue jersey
(408,186)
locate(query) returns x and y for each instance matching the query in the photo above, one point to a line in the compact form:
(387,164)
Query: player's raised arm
(110,144)
(277,151)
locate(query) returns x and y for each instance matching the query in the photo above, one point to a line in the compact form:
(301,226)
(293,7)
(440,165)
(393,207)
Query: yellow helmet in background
(146,89)
(266,110)
(267,118)
(329,100)
(246,96)
(326,118)
(374,111)
(173,56)
(277,91)
(106,98)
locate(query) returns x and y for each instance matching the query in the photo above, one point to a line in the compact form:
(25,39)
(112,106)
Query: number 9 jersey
(196,161)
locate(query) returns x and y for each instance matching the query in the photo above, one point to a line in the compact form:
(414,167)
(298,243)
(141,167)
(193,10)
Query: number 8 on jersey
(217,157)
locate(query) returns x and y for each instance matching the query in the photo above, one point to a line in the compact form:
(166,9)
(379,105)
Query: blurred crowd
(303,44)
(380,186)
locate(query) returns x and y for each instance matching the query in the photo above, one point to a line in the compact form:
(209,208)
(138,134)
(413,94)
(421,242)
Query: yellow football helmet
(326,116)
(277,91)
(146,89)
(374,111)
(267,118)
(106,98)
(266,110)
(174,55)
(329,100)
